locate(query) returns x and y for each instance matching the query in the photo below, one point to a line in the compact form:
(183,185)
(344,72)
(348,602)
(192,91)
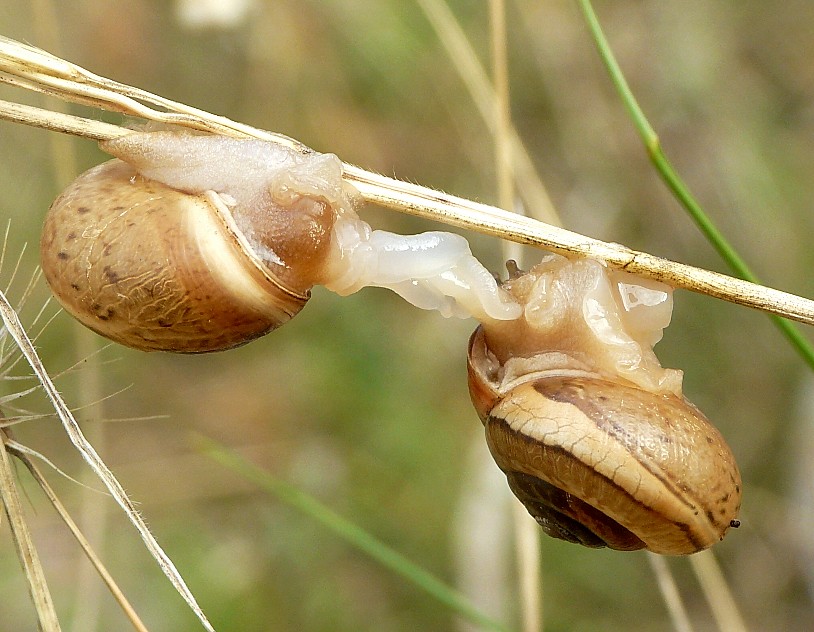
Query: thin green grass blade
(351,533)
(674,182)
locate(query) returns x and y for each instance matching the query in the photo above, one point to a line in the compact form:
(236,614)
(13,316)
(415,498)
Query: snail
(596,439)
(195,243)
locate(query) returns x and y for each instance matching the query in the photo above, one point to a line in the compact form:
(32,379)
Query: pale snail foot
(433,270)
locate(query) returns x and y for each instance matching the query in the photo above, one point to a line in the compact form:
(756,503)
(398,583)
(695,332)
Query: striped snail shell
(174,250)
(595,438)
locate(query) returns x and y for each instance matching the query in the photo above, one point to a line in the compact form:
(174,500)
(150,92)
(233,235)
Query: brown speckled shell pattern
(154,268)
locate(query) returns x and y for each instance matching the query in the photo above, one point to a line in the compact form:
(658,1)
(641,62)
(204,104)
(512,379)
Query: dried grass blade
(716,590)
(117,593)
(418,200)
(96,463)
(669,593)
(455,211)
(35,69)
(59,122)
(26,551)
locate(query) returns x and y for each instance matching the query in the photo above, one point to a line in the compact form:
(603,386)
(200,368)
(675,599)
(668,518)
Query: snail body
(596,439)
(192,243)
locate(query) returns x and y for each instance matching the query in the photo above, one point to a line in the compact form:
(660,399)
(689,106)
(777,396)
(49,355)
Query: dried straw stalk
(34,69)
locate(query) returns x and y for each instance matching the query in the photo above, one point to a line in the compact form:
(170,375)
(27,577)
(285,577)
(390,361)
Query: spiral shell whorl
(597,457)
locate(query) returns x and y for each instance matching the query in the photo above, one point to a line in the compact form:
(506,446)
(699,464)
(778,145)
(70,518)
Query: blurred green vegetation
(362,401)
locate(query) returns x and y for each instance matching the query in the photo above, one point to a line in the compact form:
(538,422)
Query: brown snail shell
(157,269)
(600,461)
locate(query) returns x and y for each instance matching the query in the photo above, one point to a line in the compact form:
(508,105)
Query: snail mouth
(566,517)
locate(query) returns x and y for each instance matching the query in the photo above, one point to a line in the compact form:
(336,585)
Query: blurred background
(362,401)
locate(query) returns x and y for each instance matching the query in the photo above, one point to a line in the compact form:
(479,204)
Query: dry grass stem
(114,589)
(34,69)
(527,535)
(31,68)
(669,593)
(59,122)
(526,531)
(716,590)
(26,551)
(72,429)
(18,449)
